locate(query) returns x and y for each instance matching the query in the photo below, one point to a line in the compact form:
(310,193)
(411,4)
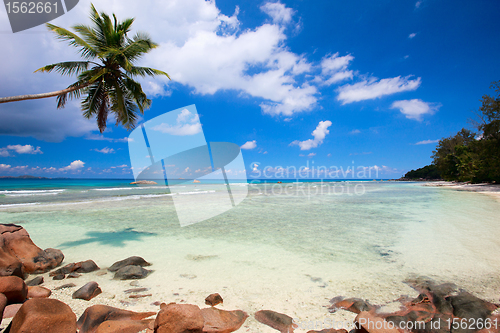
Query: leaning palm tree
(106,73)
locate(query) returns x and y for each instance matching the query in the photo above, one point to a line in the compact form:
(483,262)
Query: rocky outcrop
(95,315)
(19,255)
(276,320)
(44,315)
(179,318)
(88,291)
(14,289)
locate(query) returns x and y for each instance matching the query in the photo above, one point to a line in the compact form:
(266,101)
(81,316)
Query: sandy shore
(492,190)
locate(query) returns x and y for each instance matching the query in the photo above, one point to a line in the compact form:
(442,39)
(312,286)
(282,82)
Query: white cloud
(278,12)
(105,150)
(355,131)
(412,35)
(311,155)
(255,62)
(249,145)
(415,108)
(101,137)
(426,142)
(187,124)
(4,167)
(75,165)
(418,3)
(375,89)
(26,149)
(318,134)
(334,69)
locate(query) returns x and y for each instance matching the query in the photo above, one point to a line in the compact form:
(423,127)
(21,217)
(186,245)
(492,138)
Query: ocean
(288,246)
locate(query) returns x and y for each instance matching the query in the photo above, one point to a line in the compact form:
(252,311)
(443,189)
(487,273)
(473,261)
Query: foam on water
(286,247)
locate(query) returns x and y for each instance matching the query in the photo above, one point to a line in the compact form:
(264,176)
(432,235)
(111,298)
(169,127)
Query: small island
(144,182)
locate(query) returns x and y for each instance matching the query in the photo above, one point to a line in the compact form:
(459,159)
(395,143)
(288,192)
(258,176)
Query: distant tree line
(469,156)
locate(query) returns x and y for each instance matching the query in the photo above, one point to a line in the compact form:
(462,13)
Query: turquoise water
(292,241)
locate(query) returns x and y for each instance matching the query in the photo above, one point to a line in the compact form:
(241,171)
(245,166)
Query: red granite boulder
(44,315)
(13,288)
(95,315)
(38,292)
(220,321)
(125,326)
(19,255)
(88,291)
(276,320)
(179,318)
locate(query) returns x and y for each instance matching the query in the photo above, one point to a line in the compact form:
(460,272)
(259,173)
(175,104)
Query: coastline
(492,190)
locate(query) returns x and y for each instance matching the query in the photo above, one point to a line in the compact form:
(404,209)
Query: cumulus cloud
(334,69)
(278,12)
(74,166)
(20,149)
(249,145)
(105,150)
(373,89)
(415,108)
(186,124)
(412,35)
(426,142)
(318,134)
(355,131)
(311,154)
(4,167)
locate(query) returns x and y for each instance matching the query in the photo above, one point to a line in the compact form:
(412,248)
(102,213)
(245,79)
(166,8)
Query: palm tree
(106,75)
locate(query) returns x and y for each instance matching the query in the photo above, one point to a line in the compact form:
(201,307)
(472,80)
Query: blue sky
(295,83)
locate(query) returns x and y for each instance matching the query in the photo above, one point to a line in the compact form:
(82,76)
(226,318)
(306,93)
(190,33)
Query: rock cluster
(439,308)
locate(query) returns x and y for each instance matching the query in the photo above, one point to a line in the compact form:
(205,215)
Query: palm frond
(86,50)
(66,68)
(146,71)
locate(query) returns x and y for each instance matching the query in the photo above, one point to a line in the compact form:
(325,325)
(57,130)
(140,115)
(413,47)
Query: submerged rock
(276,320)
(136,261)
(95,315)
(88,291)
(44,315)
(131,272)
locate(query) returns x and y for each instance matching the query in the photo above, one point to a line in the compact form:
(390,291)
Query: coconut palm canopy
(106,75)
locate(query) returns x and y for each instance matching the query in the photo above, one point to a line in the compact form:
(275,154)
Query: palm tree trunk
(39,96)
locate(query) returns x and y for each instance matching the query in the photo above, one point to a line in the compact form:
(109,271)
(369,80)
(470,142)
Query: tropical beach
(228,166)
(291,255)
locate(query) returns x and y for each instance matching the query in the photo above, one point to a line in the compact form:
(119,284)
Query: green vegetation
(106,74)
(428,172)
(468,156)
